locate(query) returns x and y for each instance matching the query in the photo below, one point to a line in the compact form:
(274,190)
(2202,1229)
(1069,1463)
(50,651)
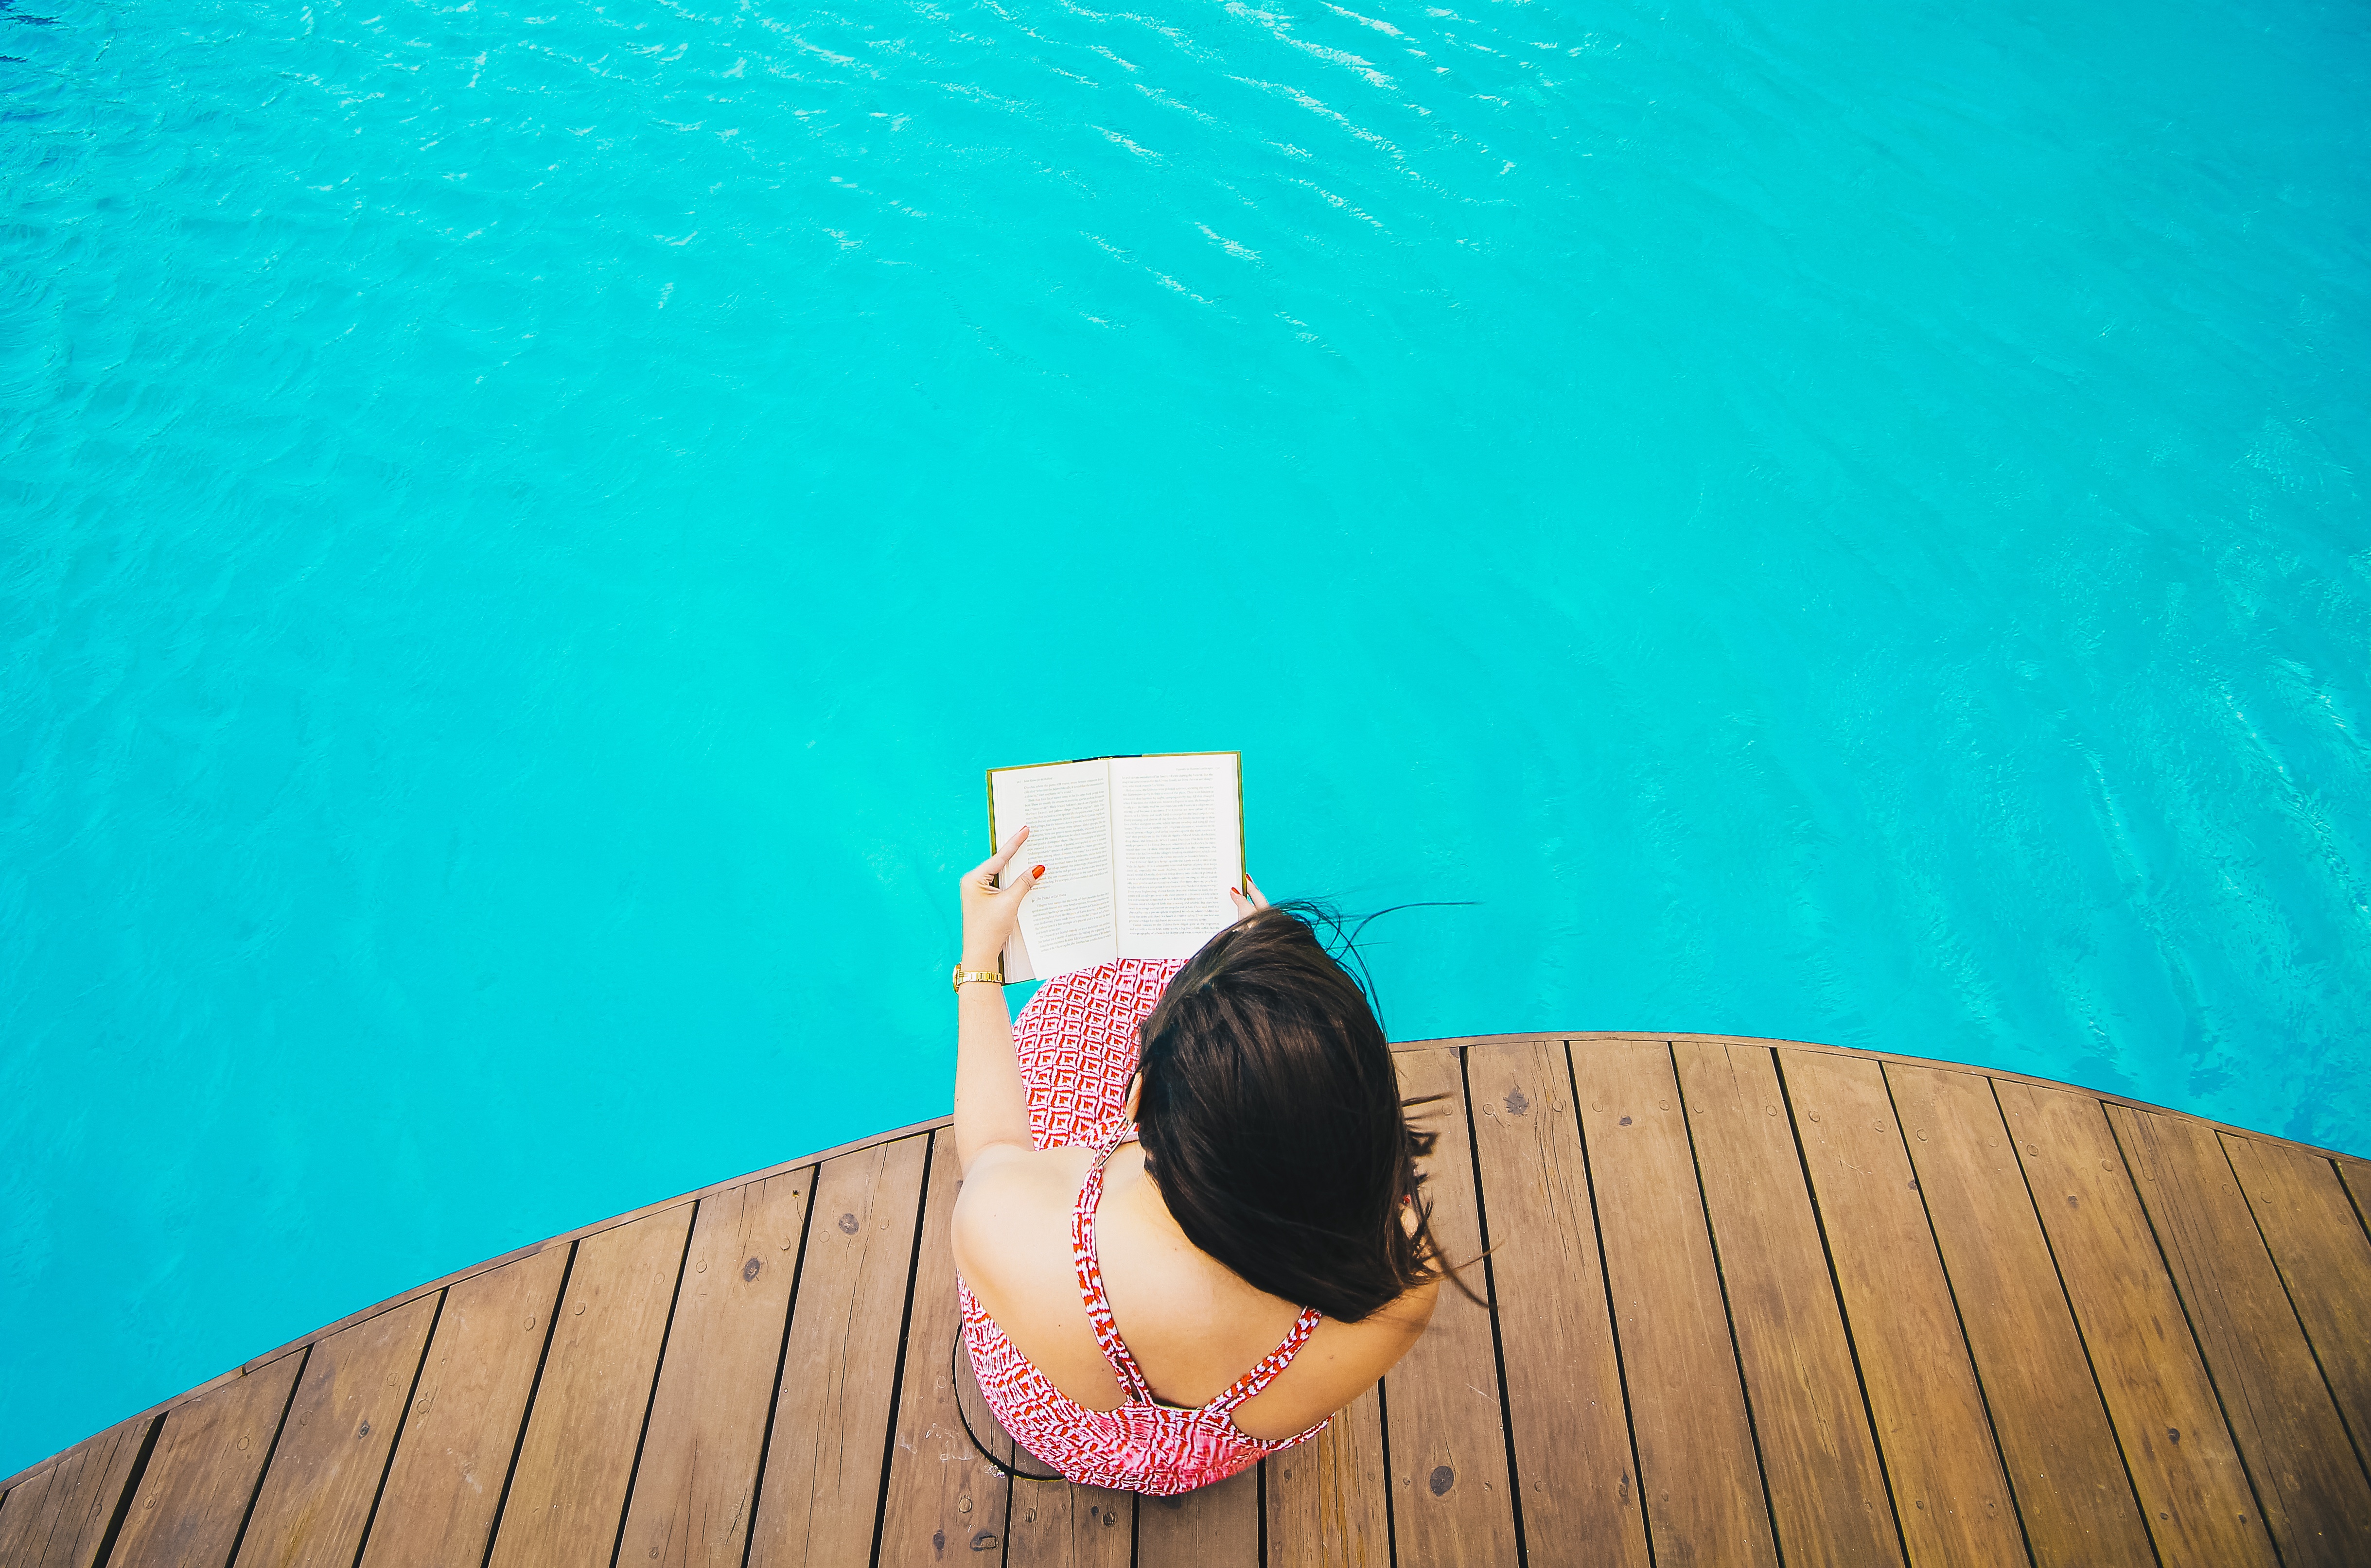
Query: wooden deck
(1758,1303)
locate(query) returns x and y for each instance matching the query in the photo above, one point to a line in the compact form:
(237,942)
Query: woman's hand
(1244,906)
(990,912)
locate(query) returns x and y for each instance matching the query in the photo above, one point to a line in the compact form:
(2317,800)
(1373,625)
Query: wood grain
(1571,1429)
(58,1517)
(1450,1496)
(568,1488)
(1210,1528)
(202,1473)
(2355,1176)
(23,1516)
(467,1409)
(336,1441)
(26,1519)
(1700,1481)
(699,1475)
(2057,1443)
(1056,1525)
(1819,1457)
(822,1490)
(2325,1259)
(1949,1491)
(2311,1489)
(1326,1498)
(940,1488)
(2194,1496)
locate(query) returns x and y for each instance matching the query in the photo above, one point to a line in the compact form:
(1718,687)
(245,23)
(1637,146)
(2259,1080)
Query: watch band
(976,976)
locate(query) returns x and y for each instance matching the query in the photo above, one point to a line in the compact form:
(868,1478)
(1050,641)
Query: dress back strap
(1091,1273)
(1268,1367)
(1099,1313)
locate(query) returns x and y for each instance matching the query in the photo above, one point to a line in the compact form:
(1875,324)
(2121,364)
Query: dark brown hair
(1272,1121)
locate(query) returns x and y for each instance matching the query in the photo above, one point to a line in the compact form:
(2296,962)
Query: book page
(1177,846)
(1066,923)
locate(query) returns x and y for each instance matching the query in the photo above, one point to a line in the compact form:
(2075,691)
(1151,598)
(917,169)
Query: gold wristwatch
(976,976)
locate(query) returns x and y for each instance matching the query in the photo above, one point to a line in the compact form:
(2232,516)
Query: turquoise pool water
(522,524)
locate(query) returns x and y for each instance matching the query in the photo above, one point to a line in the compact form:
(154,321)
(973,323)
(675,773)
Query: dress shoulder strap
(1091,1273)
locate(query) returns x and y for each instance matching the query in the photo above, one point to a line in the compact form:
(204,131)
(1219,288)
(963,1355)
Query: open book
(1138,854)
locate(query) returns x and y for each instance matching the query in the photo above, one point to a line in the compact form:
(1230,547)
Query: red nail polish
(1036,872)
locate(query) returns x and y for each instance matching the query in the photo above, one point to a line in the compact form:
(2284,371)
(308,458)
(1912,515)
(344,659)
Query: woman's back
(1109,1343)
(1192,1324)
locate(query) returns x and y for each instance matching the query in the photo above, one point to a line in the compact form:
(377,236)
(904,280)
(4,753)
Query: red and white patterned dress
(1077,1044)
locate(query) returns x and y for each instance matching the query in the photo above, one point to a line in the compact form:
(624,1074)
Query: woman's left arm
(991,1104)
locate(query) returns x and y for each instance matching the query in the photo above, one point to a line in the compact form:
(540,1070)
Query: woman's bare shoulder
(1406,1317)
(1384,1335)
(1013,1200)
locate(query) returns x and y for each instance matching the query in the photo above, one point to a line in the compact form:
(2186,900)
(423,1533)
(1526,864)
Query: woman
(1175,1266)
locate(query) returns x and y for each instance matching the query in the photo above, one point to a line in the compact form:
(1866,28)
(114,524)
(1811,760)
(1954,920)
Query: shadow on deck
(1756,1302)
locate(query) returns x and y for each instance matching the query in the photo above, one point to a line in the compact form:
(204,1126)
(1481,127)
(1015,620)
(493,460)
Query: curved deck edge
(565,1238)
(2357,1170)
(1773,1043)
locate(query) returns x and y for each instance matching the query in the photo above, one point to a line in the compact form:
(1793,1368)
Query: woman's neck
(1127,1184)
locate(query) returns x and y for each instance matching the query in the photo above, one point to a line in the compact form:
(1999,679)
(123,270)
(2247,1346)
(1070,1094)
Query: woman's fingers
(1244,905)
(1012,846)
(985,873)
(1017,888)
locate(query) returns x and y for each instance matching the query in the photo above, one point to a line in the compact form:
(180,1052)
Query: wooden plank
(824,1474)
(2325,1259)
(1700,1481)
(58,1517)
(1326,1506)
(2055,1439)
(204,1471)
(1854,1053)
(2312,1490)
(445,1481)
(1819,1459)
(2355,1175)
(335,1443)
(1451,1500)
(940,1491)
(2194,1496)
(24,1514)
(581,1231)
(1460,1043)
(1210,1528)
(1056,1525)
(699,1474)
(1571,1429)
(1949,1491)
(568,1489)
